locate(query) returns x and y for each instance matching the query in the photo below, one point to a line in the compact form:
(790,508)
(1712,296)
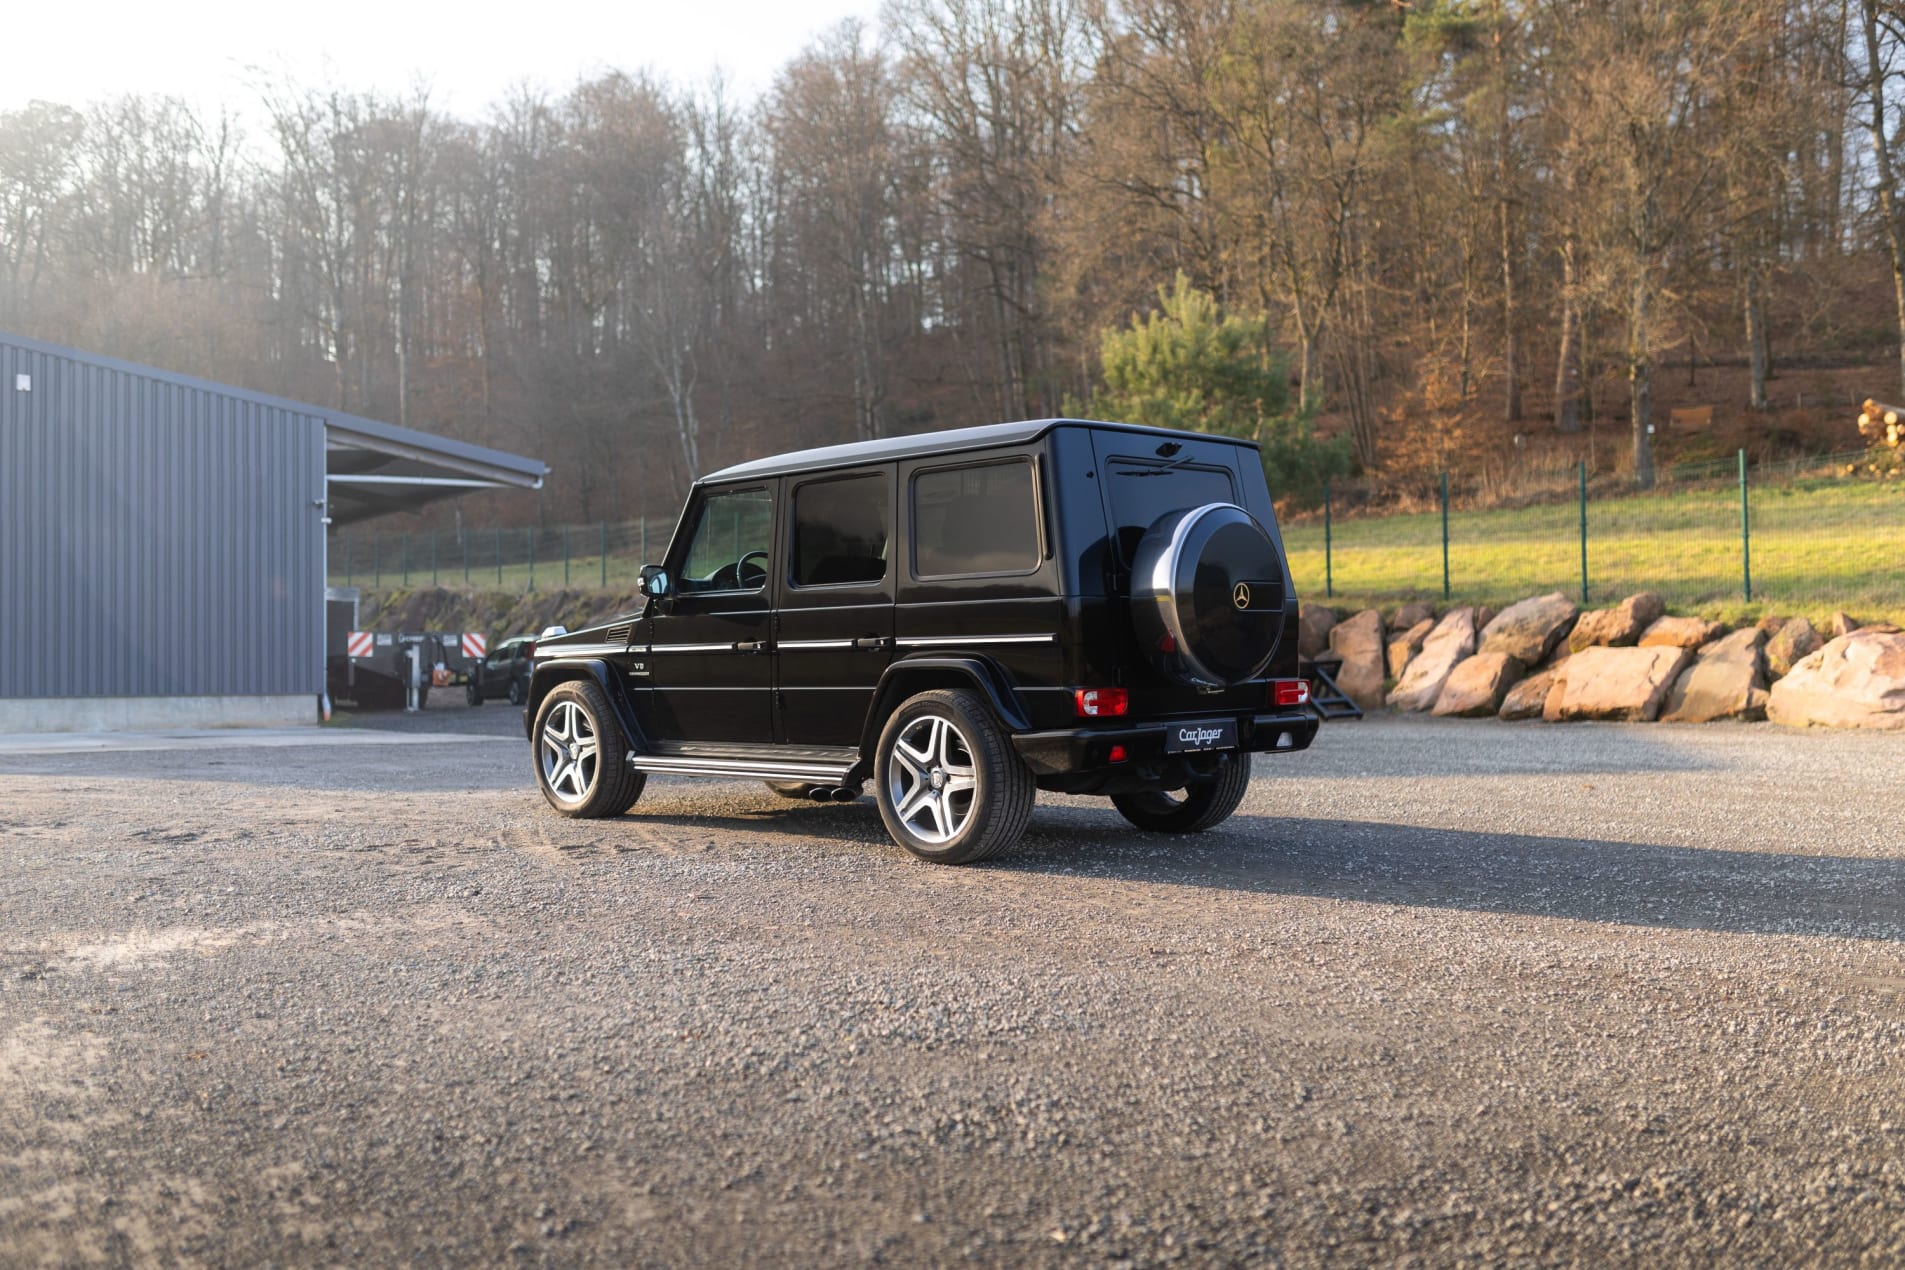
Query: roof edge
(376,428)
(950,441)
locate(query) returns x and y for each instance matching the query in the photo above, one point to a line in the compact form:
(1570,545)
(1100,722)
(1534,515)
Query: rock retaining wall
(1542,658)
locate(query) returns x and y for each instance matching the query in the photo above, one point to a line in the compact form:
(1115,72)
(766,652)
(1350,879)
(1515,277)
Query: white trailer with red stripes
(374,669)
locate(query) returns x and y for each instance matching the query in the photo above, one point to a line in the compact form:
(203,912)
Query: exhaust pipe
(820,793)
(834,793)
(846,793)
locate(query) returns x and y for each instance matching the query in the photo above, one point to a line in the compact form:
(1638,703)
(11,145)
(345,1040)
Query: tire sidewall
(957,708)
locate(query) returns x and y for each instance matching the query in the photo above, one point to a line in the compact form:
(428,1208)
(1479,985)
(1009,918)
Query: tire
(937,806)
(1203,805)
(572,716)
(474,693)
(518,691)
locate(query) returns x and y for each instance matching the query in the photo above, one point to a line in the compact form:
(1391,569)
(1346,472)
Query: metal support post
(1329,562)
(1445,535)
(1584,571)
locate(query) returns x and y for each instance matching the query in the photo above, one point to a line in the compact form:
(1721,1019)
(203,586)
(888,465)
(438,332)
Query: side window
(840,530)
(975,520)
(728,550)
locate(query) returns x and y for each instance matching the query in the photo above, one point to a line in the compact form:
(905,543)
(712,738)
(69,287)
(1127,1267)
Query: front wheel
(474,693)
(1201,805)
(518,692)
(950,786)
(581,755)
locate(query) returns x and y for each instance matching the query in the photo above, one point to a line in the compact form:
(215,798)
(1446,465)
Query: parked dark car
(962,618)
(504,672)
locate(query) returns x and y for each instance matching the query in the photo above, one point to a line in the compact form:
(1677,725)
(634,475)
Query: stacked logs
(1879,422)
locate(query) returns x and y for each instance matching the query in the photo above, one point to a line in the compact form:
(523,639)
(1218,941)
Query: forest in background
(1471,233)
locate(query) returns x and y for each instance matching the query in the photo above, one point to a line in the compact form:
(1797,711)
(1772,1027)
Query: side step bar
(740,768)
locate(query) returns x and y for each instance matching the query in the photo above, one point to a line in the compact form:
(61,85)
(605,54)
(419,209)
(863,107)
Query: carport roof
(371,467)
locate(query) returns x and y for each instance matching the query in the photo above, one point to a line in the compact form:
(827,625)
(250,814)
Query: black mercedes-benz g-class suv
(964,618)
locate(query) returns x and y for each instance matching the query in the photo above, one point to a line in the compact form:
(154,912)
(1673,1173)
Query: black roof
(950,441)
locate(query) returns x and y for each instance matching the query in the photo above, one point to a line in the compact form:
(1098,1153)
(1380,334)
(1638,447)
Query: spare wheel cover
(1207,595)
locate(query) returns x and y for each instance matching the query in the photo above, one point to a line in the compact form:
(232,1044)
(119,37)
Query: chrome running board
(740,768)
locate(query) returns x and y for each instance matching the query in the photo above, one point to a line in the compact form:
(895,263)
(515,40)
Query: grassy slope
(1817,546)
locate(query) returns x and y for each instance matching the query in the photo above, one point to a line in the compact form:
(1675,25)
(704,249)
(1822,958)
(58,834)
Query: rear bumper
(1069,750)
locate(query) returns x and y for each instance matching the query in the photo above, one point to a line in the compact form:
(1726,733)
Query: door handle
(751,646)
(872,643)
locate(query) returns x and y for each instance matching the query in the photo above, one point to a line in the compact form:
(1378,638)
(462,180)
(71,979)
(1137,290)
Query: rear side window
(1143,490)
(975,520)
(840,530)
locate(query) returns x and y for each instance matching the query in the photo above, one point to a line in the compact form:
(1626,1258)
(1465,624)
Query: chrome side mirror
(655,582)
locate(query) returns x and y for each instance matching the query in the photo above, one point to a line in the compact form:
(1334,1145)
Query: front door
(835,635)
(709,660)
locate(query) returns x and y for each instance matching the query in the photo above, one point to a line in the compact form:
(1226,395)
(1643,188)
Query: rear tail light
(1290,692)
(1101,703)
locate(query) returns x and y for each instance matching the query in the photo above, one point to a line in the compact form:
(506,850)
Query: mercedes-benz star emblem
(1241,596)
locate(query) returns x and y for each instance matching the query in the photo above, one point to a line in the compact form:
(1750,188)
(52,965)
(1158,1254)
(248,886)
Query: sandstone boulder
(1680,632)
(1411,613)
(1451,640)
(1404,647)
(1313,626)
(1617,626)
(1793,641)
(1557,693)
(1855,681)
(1840,624)
(1620,683)
(1358,641)
(1727,681)
(1483,616)
(1526,699)
(1475,688)
(1529,630)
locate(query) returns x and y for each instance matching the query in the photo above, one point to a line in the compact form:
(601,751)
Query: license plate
(1204,734)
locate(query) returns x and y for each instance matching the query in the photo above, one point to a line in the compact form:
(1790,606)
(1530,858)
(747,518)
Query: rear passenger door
(834,612)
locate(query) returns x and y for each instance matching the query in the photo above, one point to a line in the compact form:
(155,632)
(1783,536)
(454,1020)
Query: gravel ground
(1441,992)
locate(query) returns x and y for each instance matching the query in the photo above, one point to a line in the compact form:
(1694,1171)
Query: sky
(213,53)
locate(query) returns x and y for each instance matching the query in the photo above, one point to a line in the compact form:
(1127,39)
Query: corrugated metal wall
(156,539)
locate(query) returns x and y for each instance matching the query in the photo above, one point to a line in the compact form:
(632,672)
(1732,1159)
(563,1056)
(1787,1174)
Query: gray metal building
(162,538)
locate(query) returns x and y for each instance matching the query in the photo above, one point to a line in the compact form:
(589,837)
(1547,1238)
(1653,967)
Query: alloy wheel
(568,752)
(930,780)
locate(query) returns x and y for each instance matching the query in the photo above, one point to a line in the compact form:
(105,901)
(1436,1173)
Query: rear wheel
(1198,807)
(474,693)
(518,691)
(581,756)
(950,786)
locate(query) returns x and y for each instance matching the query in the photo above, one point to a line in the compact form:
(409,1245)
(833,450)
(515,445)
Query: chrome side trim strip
(934,641)
(814,643)
(691,648)
(579,650)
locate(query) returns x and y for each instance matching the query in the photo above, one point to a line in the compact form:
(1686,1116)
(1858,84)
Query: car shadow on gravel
(1623,883)
(1620,883)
